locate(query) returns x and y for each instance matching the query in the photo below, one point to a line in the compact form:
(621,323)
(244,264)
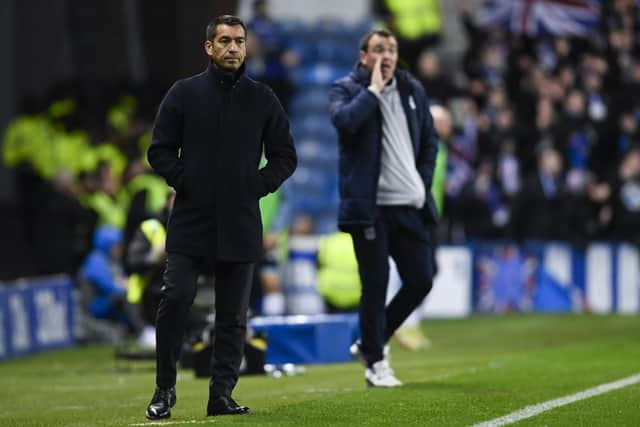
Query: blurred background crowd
(540,140)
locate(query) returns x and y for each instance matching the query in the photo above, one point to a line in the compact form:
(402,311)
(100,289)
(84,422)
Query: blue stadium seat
(306,51)
(356,31)
(328,50)
(317,126)
(307,178)
(314,101)
(326,223)
(290,28)
(317,153)
(317,74)
(328,28)
(336,52)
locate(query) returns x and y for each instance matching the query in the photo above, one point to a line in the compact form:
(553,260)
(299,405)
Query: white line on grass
(533,410)
(168,423)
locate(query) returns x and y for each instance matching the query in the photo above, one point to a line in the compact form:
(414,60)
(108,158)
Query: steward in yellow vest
(416,24)
(145,259)
(144,196)
(338,279)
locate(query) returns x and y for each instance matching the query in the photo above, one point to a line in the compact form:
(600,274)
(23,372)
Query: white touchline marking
(168,423)
(533,410)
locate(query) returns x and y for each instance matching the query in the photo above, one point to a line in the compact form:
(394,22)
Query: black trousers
(232,288)
(399,231)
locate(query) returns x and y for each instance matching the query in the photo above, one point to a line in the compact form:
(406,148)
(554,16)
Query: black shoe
(161,403)
(225,406)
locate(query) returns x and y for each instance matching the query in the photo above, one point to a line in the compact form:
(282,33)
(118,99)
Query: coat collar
(224,78)
(361,74)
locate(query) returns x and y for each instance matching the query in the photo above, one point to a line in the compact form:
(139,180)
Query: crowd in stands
(71,179)
(83,194)
(544,144)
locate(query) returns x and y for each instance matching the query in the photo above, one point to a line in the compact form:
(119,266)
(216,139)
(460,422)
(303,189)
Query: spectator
(338,280)
(267,297)
(144,195)
(104,283)
(540,211)
(269,58)
(145,258)
(439,87)
(626,198)
(485,212)
(416,23)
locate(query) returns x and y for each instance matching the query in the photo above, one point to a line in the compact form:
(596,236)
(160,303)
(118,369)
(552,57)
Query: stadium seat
(315,152)
(316,126)
(310,101)
(328,50)
(318,74)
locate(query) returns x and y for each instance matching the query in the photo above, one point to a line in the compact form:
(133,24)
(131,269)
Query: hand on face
(380,59)
(378,78)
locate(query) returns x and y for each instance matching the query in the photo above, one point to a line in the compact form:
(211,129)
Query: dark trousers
(399,231)
(232,287)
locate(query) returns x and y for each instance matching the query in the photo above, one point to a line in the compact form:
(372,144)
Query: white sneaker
(147,338)
(357,353)
(381,375)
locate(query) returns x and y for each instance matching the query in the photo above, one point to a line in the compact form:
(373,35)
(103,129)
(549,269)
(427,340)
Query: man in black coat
(208,137)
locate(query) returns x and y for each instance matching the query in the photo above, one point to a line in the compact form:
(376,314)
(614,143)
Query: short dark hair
(383,32)
(223,20)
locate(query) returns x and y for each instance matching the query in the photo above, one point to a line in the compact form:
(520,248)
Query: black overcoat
(208,138)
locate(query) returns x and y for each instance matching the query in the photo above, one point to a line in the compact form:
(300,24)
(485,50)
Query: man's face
(382,47)
(228,48)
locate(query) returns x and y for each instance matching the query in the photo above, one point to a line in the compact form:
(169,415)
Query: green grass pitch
(477,369)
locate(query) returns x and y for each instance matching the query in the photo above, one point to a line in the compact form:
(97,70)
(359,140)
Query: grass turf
(477,369)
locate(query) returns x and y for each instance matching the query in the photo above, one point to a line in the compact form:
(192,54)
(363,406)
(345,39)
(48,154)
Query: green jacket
(415,18)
